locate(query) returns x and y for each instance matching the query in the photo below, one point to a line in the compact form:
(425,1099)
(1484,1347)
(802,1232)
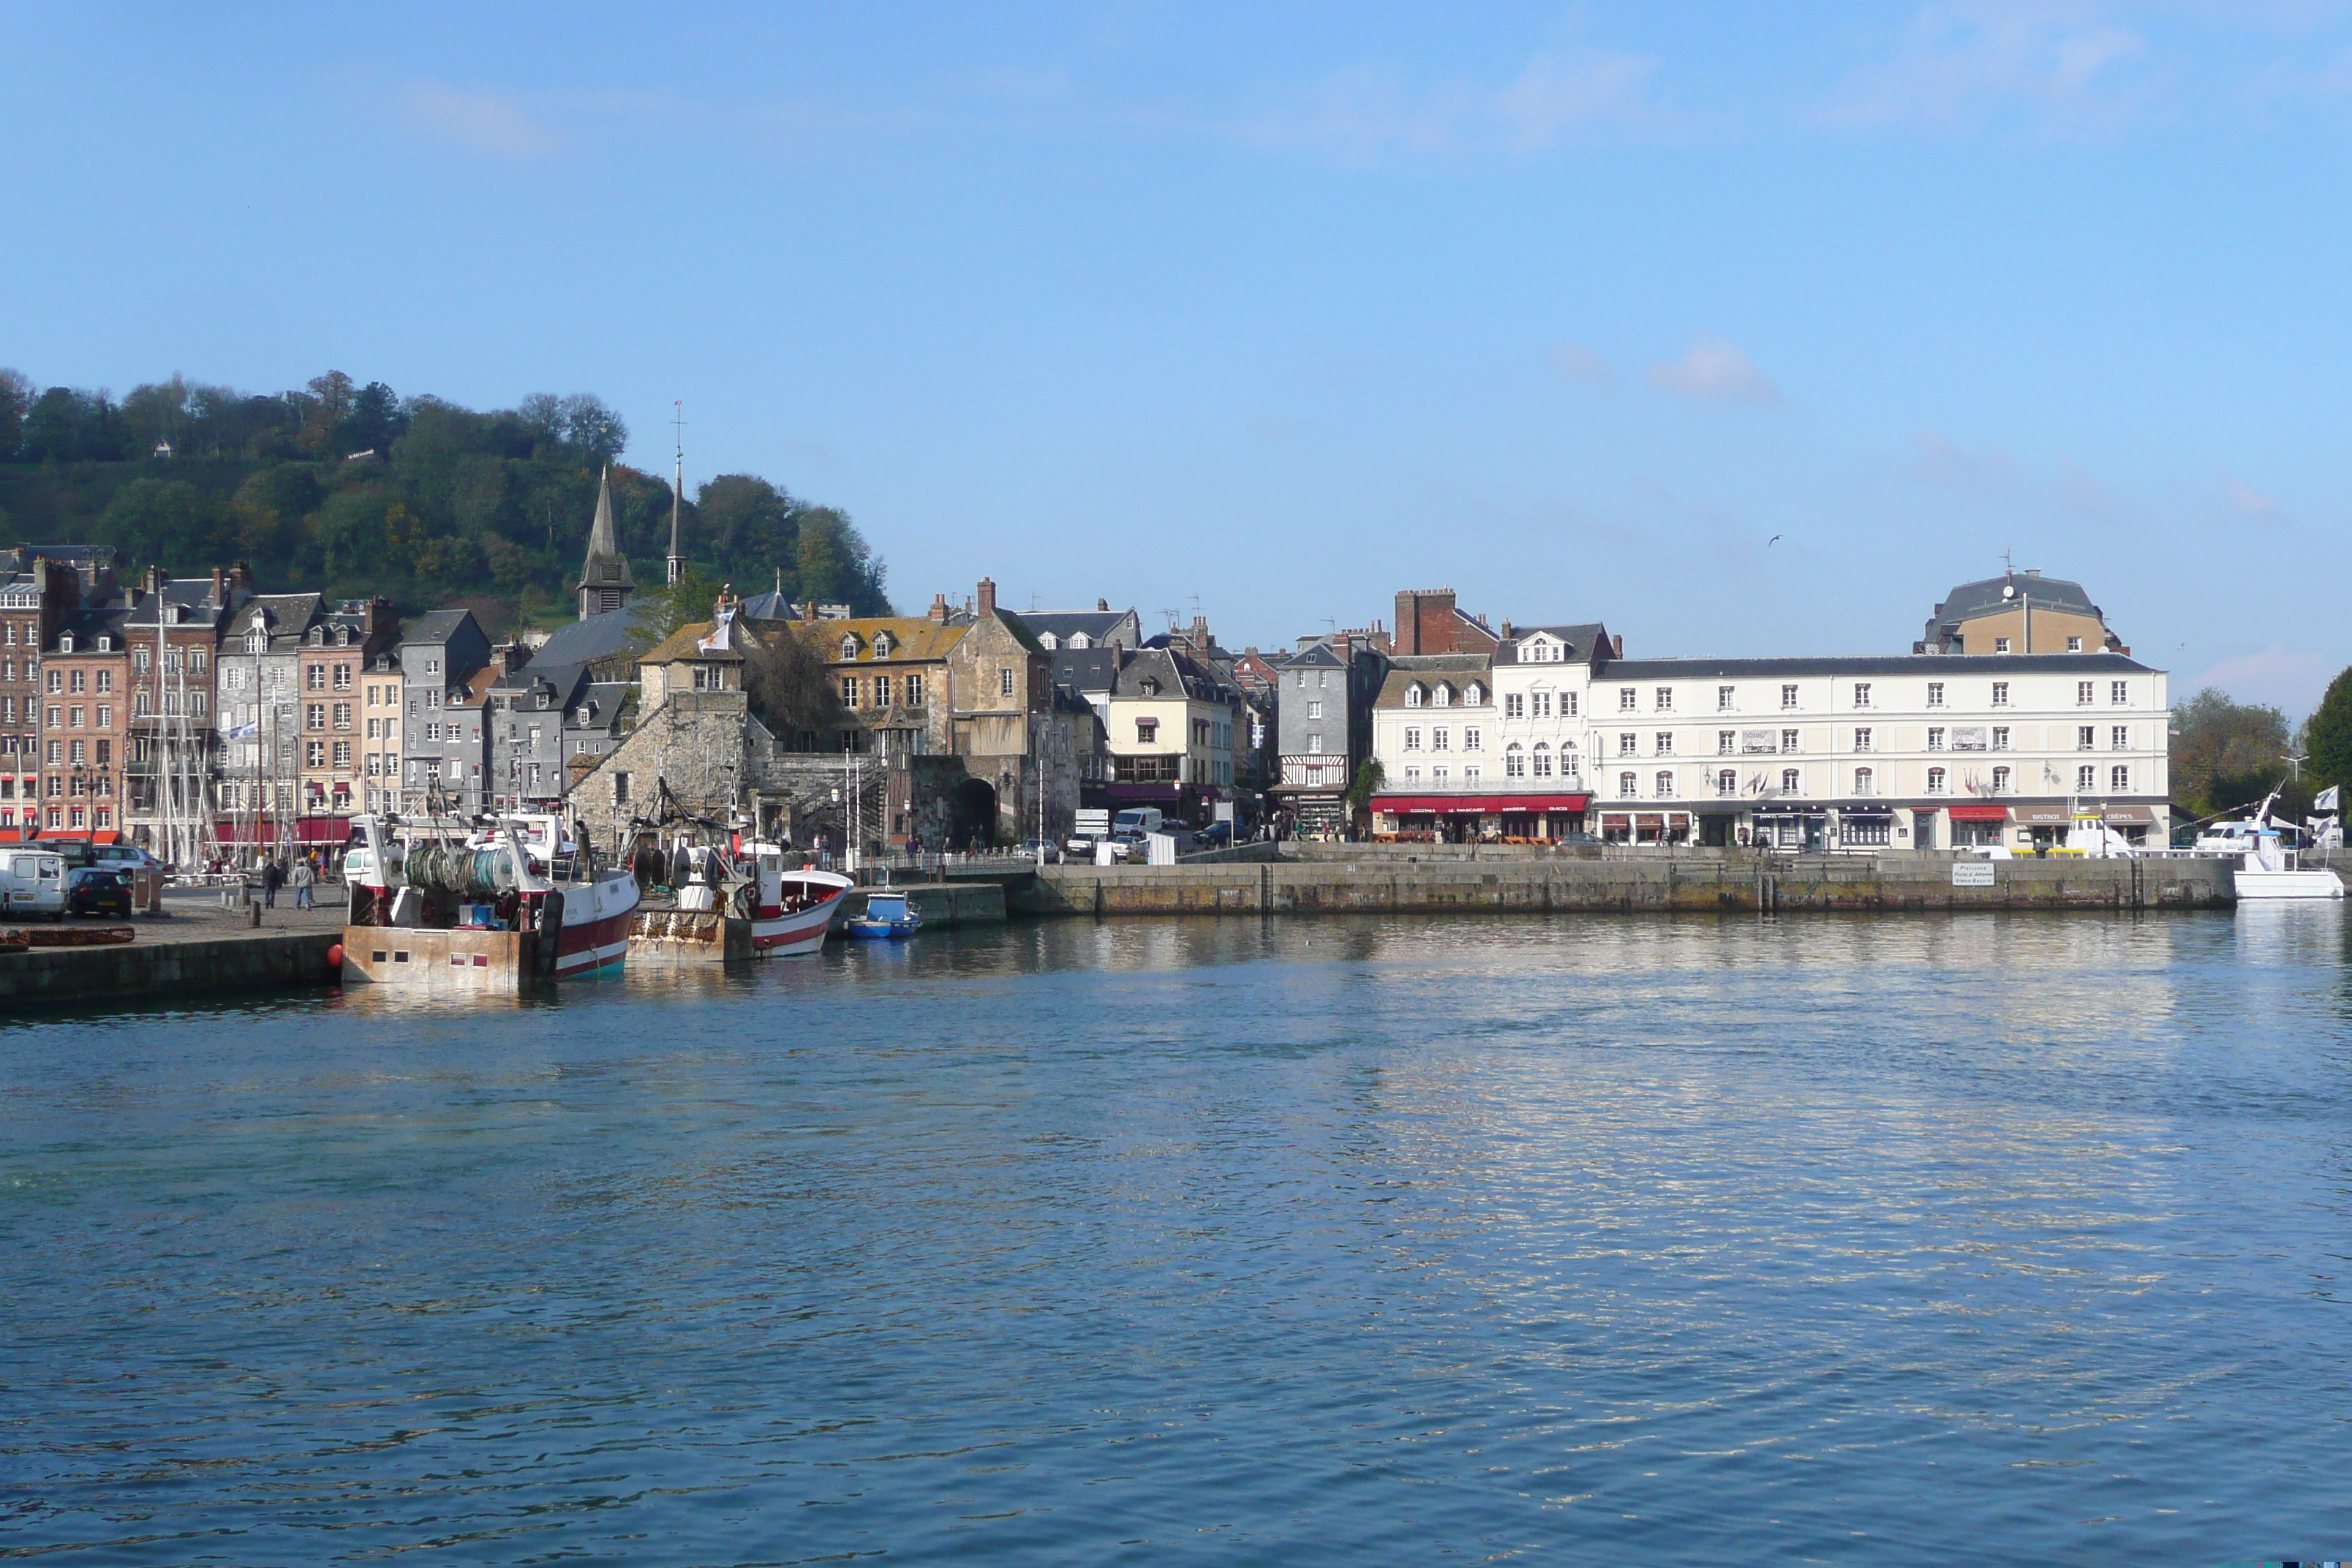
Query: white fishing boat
(481,910)
(788,908)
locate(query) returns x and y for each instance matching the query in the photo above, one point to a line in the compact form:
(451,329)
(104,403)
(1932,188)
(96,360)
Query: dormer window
(1150,689)
(343,637)
(318,637)
(1474,694)
(1048,641)
(1413,695)
(105,643)
(256,641)
(883,643)
(1445,696)
(849,647)
(65,642)
(1078,639)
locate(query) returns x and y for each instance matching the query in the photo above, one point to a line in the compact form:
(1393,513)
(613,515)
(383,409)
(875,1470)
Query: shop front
(1647,826)
(1866,827)
(1792,829)
(2043,824)
(1977,826)
(1471,818)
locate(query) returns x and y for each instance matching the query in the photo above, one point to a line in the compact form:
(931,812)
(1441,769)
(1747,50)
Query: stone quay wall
(145,968)
(1623,886)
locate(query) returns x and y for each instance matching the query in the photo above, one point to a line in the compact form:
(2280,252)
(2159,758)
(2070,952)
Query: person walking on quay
(304,878)
(270,876)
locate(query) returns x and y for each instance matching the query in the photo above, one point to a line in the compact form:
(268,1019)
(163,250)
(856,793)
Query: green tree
(2327,734)
(1368,781)
(2225,754)
(15,401)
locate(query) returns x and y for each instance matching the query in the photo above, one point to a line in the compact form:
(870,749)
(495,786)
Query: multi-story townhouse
(174,627)
(381,707)
(337,647)
(525,713)
(85,721)
(31,602)
(1169,733)
(256,711)
(1322,697)
(1078,630)
(438,658)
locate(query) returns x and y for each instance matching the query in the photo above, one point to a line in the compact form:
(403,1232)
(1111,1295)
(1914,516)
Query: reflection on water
(1989,1238)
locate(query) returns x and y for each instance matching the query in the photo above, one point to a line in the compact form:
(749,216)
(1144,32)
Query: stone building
(1323,715)
(175,629)
(256,708)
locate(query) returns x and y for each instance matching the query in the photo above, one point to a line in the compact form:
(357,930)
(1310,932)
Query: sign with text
(1972,873)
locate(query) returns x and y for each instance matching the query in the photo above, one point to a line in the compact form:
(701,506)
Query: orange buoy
(335,956)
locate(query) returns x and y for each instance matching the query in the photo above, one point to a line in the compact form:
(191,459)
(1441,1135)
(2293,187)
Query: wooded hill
(358,491)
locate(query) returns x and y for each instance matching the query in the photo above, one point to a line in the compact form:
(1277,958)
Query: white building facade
(1905,751)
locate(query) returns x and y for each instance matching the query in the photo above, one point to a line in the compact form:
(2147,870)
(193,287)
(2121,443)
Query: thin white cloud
(2290,680)
(1937,461)
(484,122)
(1713,370)
(1361,111)
(1578,363)
(1963,62)
(2249,501)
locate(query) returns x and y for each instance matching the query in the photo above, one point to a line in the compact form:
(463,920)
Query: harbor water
(2000,1237)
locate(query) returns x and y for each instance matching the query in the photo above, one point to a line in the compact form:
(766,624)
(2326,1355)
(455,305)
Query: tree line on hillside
(357,490)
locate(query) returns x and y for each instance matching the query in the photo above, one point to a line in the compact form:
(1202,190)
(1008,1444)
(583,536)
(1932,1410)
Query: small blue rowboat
(887,917)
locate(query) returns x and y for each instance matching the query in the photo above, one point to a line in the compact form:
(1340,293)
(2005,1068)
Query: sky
(1747,329)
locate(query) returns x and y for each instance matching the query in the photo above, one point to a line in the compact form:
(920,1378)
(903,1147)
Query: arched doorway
(975,814)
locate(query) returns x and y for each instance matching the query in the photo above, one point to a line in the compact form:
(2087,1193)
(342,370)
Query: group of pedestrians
(303,877)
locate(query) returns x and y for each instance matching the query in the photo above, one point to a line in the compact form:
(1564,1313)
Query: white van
(1137,821)
(32,882)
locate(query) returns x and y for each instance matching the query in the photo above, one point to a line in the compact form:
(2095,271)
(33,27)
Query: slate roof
(1972,599)
(1097,623)
(1404,669)
(1584,640)
(1177,675)
(436,626)
(563,679)
(1087,669)
(604,636)
(289,615)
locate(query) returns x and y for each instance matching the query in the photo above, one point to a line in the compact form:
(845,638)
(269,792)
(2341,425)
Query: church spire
(605,580)
(677,490)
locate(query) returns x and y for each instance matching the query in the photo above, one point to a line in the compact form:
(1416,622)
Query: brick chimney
(1617,646)
(940,608)
(510,656)
(987,597)
(220,588)
(1102,606)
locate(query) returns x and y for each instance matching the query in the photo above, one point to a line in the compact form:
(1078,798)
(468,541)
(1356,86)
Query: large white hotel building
(2016,714)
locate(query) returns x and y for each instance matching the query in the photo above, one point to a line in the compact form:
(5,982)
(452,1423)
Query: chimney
(1617,646)
(242,575)
(940,608)
(1506,628)
(987,597)
(1102,606)
(220,588)
(511,657)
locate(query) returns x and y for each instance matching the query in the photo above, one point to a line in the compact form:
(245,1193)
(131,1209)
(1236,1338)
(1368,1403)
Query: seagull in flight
(1773,541)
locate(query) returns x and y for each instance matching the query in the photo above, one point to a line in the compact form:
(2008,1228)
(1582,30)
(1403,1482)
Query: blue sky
(1284,308)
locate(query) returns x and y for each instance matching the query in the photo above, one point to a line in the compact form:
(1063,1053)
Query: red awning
(1979,813)
(1479,803)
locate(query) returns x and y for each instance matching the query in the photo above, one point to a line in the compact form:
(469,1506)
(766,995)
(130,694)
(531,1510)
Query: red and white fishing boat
(788,908)
(481,910)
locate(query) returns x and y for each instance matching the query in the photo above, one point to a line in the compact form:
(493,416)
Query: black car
(99,893)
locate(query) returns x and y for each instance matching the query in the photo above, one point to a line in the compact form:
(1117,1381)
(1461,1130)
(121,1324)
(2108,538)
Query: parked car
(32,882)
(1216,836)
(100,892)
(1029,848)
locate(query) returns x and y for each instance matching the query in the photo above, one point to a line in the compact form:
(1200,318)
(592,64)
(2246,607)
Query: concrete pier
(941,904)
(198,948)
(1770,884)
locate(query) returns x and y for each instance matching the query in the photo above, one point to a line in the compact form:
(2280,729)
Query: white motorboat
(788,908)
(2268,866)
(2269,871)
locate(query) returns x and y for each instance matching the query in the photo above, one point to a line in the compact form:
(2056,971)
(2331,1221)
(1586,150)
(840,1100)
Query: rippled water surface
(1997,1238)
